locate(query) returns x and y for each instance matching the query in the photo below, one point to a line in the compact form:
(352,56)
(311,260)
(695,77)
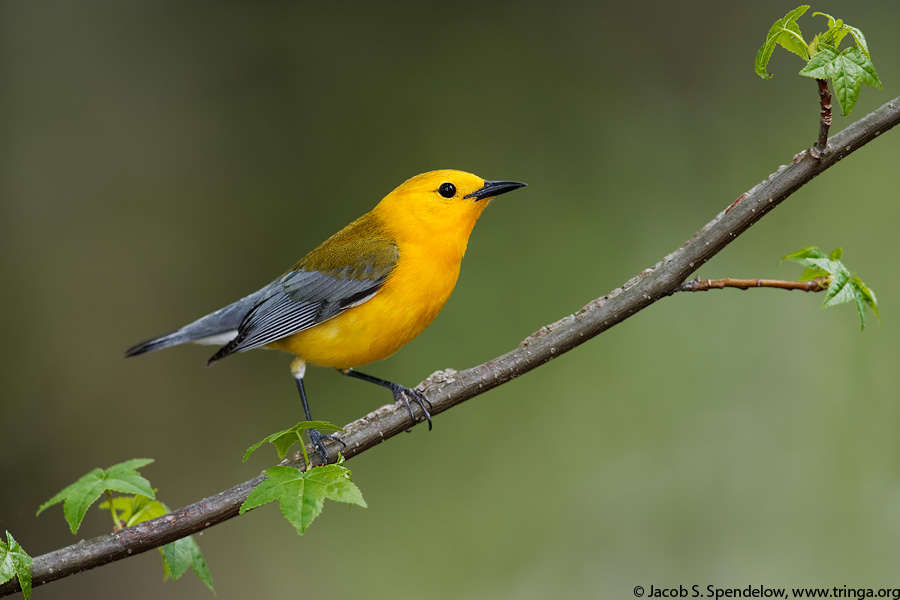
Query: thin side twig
(697,285)
(446,389)
(824,120)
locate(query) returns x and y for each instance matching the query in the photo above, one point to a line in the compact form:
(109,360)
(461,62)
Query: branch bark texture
(446,389)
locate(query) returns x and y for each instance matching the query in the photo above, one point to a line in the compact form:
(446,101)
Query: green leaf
(831,21)
(836,35)
(301,495)
(181,554)
(177,556)
(838,292)
(812,273)
(860,39)
(848,70)
(338,487)
(79,496)
(818,63)
(786,33)
(804,257)
(283,440)
(14,561)
(270,489)
(801,255)
(863,297)
(842,288)
(836,32)
(868,297)
(861,311)
(136,509)
(298,504)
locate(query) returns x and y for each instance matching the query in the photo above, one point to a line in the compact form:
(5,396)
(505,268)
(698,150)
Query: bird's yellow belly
(405,305)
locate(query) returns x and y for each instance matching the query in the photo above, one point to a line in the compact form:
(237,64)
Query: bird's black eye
(447,190)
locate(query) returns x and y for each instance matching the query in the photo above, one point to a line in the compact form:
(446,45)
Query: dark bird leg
(401,394)
(298,369)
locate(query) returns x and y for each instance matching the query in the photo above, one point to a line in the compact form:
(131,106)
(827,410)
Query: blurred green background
(162,159)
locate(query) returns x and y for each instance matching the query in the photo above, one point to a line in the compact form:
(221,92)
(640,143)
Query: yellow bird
(362,294)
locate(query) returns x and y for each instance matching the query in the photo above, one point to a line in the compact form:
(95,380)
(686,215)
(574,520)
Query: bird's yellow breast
(408,301)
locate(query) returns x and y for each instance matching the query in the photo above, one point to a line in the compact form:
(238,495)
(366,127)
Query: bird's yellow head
(443,203)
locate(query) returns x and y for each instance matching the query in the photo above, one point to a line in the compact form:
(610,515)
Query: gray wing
(301,299)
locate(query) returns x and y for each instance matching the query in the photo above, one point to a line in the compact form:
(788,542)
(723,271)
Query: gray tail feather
(158,343)
(217,323)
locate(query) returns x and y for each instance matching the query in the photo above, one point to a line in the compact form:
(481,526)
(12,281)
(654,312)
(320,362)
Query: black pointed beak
(495,188)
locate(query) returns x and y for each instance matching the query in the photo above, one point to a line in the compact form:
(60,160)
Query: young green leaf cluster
(177,556)
(15,562)
(142,506)
(283,440)
(842,286)
(302,494)
(848,69)
(79,496)
(182,554)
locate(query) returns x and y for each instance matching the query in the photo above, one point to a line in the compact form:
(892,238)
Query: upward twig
(824,119)
(446,389)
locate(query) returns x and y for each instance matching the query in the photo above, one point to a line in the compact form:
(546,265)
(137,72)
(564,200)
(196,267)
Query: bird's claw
(316,437)
(405,394)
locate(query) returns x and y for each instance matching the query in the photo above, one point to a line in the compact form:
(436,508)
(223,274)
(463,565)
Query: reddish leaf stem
(825,121)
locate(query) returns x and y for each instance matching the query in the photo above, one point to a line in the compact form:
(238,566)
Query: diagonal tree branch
(446,389)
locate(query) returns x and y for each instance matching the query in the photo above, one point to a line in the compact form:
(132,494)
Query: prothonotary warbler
(364,293)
